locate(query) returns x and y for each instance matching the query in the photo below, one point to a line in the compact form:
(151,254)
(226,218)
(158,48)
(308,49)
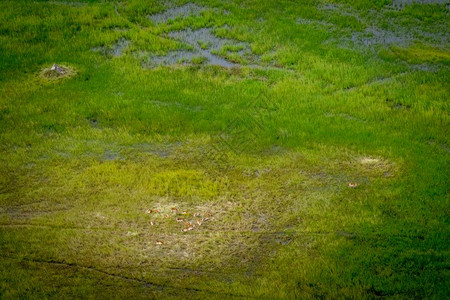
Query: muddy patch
(401,4)
(424,67)
(206,44)
(115,50)
(372,36)
(161,150)
(112,155)
(382,28)
(342,10)
(187,10)
(376,36)
(171,58)
(202,47)
(320,23)
(68,3)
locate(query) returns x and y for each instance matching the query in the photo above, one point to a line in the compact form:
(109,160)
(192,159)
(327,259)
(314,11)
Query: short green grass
(265,153)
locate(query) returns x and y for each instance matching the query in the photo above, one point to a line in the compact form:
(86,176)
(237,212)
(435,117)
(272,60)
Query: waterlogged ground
(224,149)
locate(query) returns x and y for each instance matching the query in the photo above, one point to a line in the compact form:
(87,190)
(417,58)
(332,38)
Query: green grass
(266,153)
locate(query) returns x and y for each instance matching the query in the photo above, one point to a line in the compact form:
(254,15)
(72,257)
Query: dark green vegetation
(319,94)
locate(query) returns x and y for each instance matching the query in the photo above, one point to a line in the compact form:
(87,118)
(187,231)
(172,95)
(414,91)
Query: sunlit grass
(259,157)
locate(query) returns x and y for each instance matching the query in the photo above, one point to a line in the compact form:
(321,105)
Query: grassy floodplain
(250,117)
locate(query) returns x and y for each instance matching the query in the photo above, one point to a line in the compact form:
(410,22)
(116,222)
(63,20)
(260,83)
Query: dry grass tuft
(57,72)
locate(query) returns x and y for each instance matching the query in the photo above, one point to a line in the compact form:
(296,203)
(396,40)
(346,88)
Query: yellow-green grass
(262,155)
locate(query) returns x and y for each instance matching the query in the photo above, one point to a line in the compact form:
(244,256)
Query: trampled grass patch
(211,149)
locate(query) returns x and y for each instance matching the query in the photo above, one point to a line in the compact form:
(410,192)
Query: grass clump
(198,60)
(56,73)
